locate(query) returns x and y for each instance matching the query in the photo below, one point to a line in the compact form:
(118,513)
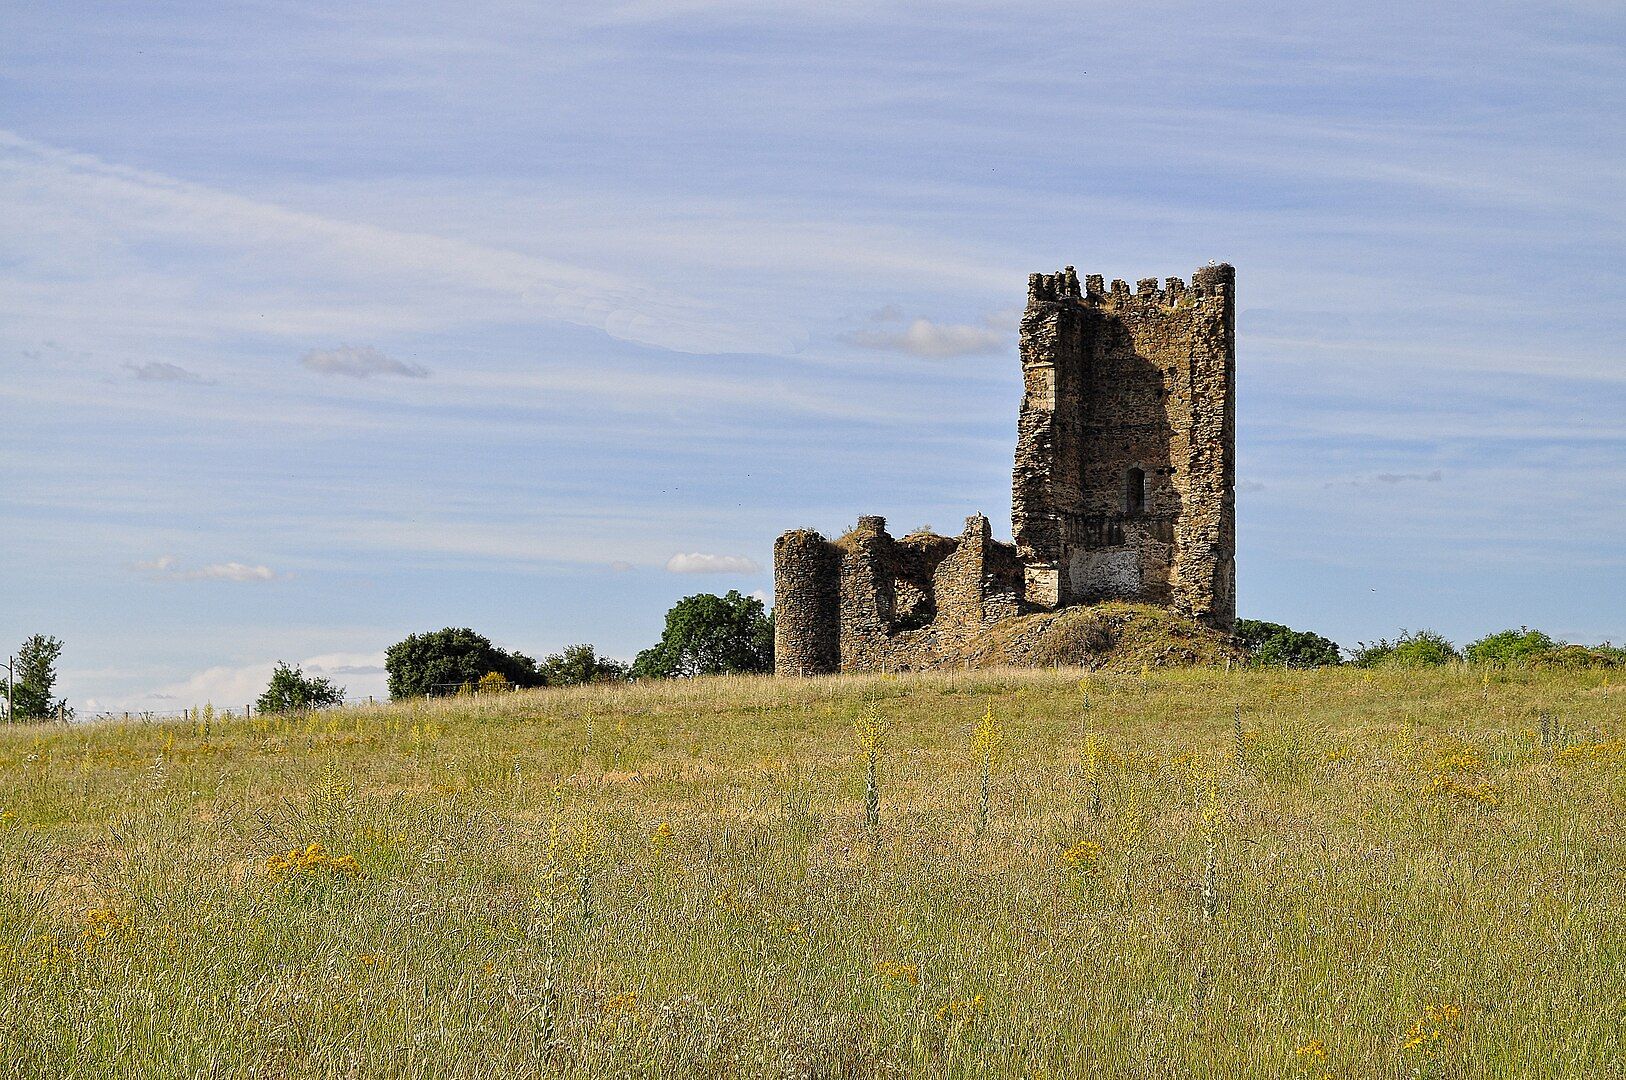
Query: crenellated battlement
(1208,284)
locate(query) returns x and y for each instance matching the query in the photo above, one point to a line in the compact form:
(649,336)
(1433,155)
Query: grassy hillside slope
(1376,874)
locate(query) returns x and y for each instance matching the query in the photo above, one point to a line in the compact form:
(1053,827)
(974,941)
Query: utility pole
(11,679)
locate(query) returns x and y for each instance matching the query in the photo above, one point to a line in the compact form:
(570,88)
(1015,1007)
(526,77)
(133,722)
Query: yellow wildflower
(1438,1024)
(898,974)
(959,1008)
(1584,752)
(1084,856)
(102,924)
(660,837)
(314,858)
(988,737)
(869,729)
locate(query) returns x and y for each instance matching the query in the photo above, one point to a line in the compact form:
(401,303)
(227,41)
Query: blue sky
(322,324)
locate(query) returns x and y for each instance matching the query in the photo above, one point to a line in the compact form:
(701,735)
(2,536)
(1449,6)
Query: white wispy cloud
(314,273)
(159,371)
(169,568)
(696,562)
(360,675)
(360,362)
(931,340)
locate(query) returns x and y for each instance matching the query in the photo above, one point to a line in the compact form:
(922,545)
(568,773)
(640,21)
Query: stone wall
(1123,489)
(872,602)
(1125,462)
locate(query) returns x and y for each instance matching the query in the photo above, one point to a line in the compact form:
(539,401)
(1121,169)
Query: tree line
(1271,644)
(704,635)
(731,634)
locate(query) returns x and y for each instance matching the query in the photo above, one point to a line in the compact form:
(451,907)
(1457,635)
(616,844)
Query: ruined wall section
(1125,462)
(1206,574)
(870,602)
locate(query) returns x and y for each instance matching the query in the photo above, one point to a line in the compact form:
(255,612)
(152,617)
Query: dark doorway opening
(1135,492)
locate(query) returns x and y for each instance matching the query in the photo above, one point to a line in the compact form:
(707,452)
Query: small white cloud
(360,674)
(761,595)
(234,571)
(158,371)
(360,362)
(168,568)
(935,341)
(696,562)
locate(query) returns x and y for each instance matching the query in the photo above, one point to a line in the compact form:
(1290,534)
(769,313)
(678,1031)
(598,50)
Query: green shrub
(1519,646)
(1580,656)
(1274,645)
(579,665)
(444,660)
(291,690)
(1422,648)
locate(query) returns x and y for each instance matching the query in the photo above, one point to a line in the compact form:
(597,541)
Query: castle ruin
(1124,489)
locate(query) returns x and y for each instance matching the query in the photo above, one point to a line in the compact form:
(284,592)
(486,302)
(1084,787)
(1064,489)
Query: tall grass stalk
(986,743)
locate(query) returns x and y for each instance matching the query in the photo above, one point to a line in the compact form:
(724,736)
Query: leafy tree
(36,679)
(425,664)
(579,665)
(1424,648)
(710,635)
(1519,646)
(291,690)
(1272,644)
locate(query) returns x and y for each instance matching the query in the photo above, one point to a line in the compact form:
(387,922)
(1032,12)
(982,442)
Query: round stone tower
(807,605)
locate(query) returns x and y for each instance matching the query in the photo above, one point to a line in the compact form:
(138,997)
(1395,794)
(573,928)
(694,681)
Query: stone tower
(1125,478)
(1124,489)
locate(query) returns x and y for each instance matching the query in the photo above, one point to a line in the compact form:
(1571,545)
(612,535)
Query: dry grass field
(1335,873)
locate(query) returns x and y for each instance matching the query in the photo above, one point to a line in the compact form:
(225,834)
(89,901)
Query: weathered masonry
(1124,489)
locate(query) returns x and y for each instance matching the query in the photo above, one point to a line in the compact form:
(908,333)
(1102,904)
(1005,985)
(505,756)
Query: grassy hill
(1372,874)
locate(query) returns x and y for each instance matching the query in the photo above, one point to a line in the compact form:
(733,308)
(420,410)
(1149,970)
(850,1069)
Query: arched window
(1135,492)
